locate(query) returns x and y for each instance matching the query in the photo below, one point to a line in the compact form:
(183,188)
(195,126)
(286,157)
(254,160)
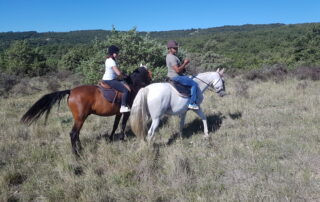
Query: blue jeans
(118,85)
(184,80)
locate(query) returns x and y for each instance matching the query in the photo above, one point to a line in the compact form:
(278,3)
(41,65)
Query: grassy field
(264,146)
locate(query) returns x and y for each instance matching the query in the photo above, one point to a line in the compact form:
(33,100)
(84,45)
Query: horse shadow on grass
(128,132)
(214,122)
(235,115)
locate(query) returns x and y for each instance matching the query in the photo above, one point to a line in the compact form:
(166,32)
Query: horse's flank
(92,96)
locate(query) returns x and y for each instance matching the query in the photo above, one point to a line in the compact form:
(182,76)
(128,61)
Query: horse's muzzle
(222,93)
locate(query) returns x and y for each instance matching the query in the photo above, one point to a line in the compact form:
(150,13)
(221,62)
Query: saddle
(182,90)
(109,93)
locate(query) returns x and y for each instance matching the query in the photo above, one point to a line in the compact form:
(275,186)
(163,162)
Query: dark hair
(113,49)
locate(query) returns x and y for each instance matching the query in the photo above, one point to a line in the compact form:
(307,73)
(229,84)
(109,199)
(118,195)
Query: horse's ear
(145,66)
(218,70)
(221,72)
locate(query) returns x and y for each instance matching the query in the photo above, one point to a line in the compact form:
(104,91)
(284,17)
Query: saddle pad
(185,91)
(110,94)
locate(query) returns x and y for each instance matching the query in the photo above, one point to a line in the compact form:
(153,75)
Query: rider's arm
(179,69)
(116,70)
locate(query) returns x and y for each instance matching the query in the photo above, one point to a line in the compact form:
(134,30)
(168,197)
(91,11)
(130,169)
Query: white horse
(158,99)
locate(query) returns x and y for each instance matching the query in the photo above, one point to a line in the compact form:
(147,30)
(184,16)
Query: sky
(150,15)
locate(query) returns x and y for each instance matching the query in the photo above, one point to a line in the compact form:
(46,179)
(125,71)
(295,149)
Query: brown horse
(85,100)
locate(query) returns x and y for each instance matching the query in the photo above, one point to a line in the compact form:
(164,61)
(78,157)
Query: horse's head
(218,83)
(140,77)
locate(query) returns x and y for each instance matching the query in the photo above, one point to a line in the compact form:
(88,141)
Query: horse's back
(162,98)
(87,99)
(159,91)
(84,93)
(159,86)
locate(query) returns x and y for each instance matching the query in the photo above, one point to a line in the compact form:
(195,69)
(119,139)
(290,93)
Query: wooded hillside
(234,47)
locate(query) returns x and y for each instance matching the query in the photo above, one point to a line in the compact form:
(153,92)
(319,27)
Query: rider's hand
(186,61)
(121,77)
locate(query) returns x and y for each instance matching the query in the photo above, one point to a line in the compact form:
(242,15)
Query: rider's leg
(184,80)
(118,85)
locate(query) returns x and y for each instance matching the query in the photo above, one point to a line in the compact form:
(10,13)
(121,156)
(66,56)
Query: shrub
(73,58)
(306,72)
(7,82)
(276,72)
(21,59)
(134,50)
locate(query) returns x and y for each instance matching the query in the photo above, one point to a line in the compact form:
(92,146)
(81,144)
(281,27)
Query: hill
(233,47)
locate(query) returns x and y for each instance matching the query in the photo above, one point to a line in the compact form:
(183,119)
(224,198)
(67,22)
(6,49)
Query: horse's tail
(139,114)
(43,105)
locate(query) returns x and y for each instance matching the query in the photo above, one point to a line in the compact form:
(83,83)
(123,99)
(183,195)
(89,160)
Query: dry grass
(264,146)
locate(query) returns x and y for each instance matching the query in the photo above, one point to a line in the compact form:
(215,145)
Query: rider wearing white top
(109,73)
(109,77)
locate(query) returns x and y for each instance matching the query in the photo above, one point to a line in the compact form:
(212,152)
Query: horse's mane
(139,78)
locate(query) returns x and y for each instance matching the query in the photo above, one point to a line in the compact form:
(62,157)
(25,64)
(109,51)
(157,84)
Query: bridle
(210,84)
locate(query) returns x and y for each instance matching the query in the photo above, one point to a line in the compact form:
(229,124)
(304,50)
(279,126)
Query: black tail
(43,105)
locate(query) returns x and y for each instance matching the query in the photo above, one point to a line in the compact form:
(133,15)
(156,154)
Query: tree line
(233,47)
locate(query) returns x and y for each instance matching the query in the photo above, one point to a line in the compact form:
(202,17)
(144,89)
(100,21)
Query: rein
(208,84)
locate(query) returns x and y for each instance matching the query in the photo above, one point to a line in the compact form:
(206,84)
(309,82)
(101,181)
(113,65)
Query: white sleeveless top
(109,73)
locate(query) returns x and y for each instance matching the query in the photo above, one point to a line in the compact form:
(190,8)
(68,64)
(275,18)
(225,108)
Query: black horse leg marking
(115,126)
(74,136)
(79,146)
(123,125)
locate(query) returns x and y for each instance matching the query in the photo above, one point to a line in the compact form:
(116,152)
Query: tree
(21,59)
(73,58)
(134,50)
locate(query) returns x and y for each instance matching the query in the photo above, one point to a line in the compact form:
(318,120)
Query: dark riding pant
(118,85)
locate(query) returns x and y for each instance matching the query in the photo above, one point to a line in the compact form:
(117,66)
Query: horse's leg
(123,125)
(182,120)
(204,120)
(74,136)
(154,125)
(115,126)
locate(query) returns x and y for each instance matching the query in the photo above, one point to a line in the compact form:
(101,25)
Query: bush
(73,58)
(7,82)
(306,72)
(134,50)
(21,59)
(276,72)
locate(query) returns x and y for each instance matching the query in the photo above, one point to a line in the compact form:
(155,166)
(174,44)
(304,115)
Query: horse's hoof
(206,137)
(123,137)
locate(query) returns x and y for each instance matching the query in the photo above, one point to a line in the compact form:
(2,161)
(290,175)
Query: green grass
(264,146)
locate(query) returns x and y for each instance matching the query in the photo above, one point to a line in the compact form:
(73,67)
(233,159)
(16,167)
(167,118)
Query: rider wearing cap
(110,75)
(175,72)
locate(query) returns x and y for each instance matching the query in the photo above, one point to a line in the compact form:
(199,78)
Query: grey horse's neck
(204,80)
